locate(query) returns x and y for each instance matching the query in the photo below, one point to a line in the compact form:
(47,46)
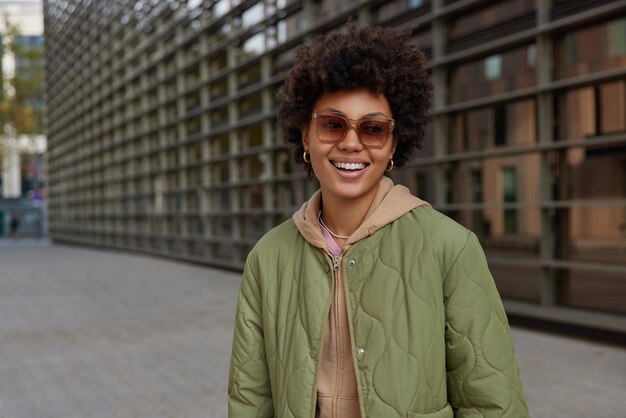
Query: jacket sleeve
(249,391)
(482,373)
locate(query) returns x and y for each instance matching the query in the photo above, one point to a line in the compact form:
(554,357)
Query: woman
(368,302)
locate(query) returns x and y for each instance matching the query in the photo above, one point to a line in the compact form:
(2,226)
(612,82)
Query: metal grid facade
(162,137)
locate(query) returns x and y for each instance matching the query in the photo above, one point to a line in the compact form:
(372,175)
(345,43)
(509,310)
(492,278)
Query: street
(88,333)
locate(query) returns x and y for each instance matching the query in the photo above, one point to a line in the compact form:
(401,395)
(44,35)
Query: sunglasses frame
(353,124)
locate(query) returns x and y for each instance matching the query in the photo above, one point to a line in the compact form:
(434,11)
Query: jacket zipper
(336,260)
(335,263)
(352,348)
(337,333)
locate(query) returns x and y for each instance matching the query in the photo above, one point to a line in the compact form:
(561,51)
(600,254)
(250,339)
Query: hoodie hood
(390,203)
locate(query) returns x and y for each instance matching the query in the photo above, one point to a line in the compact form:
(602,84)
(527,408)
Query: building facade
(18,146)
(22,143)
(162,133)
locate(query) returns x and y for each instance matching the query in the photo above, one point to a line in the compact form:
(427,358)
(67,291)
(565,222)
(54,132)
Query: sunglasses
(372,131)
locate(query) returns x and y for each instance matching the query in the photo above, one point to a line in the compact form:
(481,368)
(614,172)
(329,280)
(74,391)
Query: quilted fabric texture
(429,333)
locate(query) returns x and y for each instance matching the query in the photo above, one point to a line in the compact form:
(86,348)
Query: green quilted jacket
(429,335)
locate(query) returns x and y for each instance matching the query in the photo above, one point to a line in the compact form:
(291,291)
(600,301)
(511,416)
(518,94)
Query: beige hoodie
(337,394)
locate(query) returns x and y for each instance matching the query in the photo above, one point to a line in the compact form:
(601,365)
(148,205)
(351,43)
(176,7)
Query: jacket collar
(390,203)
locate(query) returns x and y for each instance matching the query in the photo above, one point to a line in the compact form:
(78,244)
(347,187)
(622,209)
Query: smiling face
(347,170)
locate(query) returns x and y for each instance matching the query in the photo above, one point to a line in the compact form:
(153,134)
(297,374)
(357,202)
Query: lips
(349,166)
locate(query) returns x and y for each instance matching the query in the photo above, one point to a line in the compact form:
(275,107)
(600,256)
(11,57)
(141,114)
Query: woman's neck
(344,216)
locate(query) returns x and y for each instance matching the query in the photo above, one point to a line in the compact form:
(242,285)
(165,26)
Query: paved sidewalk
(24,242)
(87,333)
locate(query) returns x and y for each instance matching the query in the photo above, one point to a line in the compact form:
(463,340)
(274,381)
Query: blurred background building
(22,143)
(162,137)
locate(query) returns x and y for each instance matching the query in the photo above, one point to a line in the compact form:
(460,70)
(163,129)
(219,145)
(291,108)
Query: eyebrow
(343,114)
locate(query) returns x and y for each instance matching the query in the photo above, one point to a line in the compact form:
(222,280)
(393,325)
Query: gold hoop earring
(389,166)
(304,157)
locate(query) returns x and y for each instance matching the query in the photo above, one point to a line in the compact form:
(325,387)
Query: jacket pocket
(443,413)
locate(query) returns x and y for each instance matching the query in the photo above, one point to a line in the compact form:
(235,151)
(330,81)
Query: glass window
(617,38)
(252,226)
(497,181)
(427,145)
(281,31)
(254,45)
(194,177)
(249,75)
(251,197)
(294,23)
(596,48)
(289,195)
(513,281)
(192,101)
(283,196)
(423,40)
(506,124)
(29,40)
(192,51)
(192,4)
(219,62)
(221,7)
(283,163)
(607,163)
(594,233)
(424,185)
(220,172)
(192,76)
(251,137)
(498,19)
(396,9)
(250,168)
(467,128)
(325,8)
(283,60)
(531,57)
(509,195)
(577,114)
(612,107)
(220,145)
(250,105)
(253,15)
(597,234)
(499,124)
(493,67)
(219,116)
(219,89)
(596,290)
(302,22)
(501,73)
(476,185)
(520,282)
(193,125)
(592,111)
(192,202)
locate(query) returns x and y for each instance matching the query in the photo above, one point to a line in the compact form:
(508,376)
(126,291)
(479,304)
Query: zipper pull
(336,262)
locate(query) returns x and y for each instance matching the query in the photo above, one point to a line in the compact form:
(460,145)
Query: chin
(350,193)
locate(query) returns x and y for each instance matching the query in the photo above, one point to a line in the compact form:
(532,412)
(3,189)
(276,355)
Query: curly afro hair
(376,58)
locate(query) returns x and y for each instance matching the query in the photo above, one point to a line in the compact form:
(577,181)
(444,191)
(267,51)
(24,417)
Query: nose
(351,141)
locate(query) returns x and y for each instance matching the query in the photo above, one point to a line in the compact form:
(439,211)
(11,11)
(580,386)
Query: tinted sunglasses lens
(374,132)
(330,128)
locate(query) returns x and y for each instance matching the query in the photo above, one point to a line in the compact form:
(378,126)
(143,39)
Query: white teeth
(350,166)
